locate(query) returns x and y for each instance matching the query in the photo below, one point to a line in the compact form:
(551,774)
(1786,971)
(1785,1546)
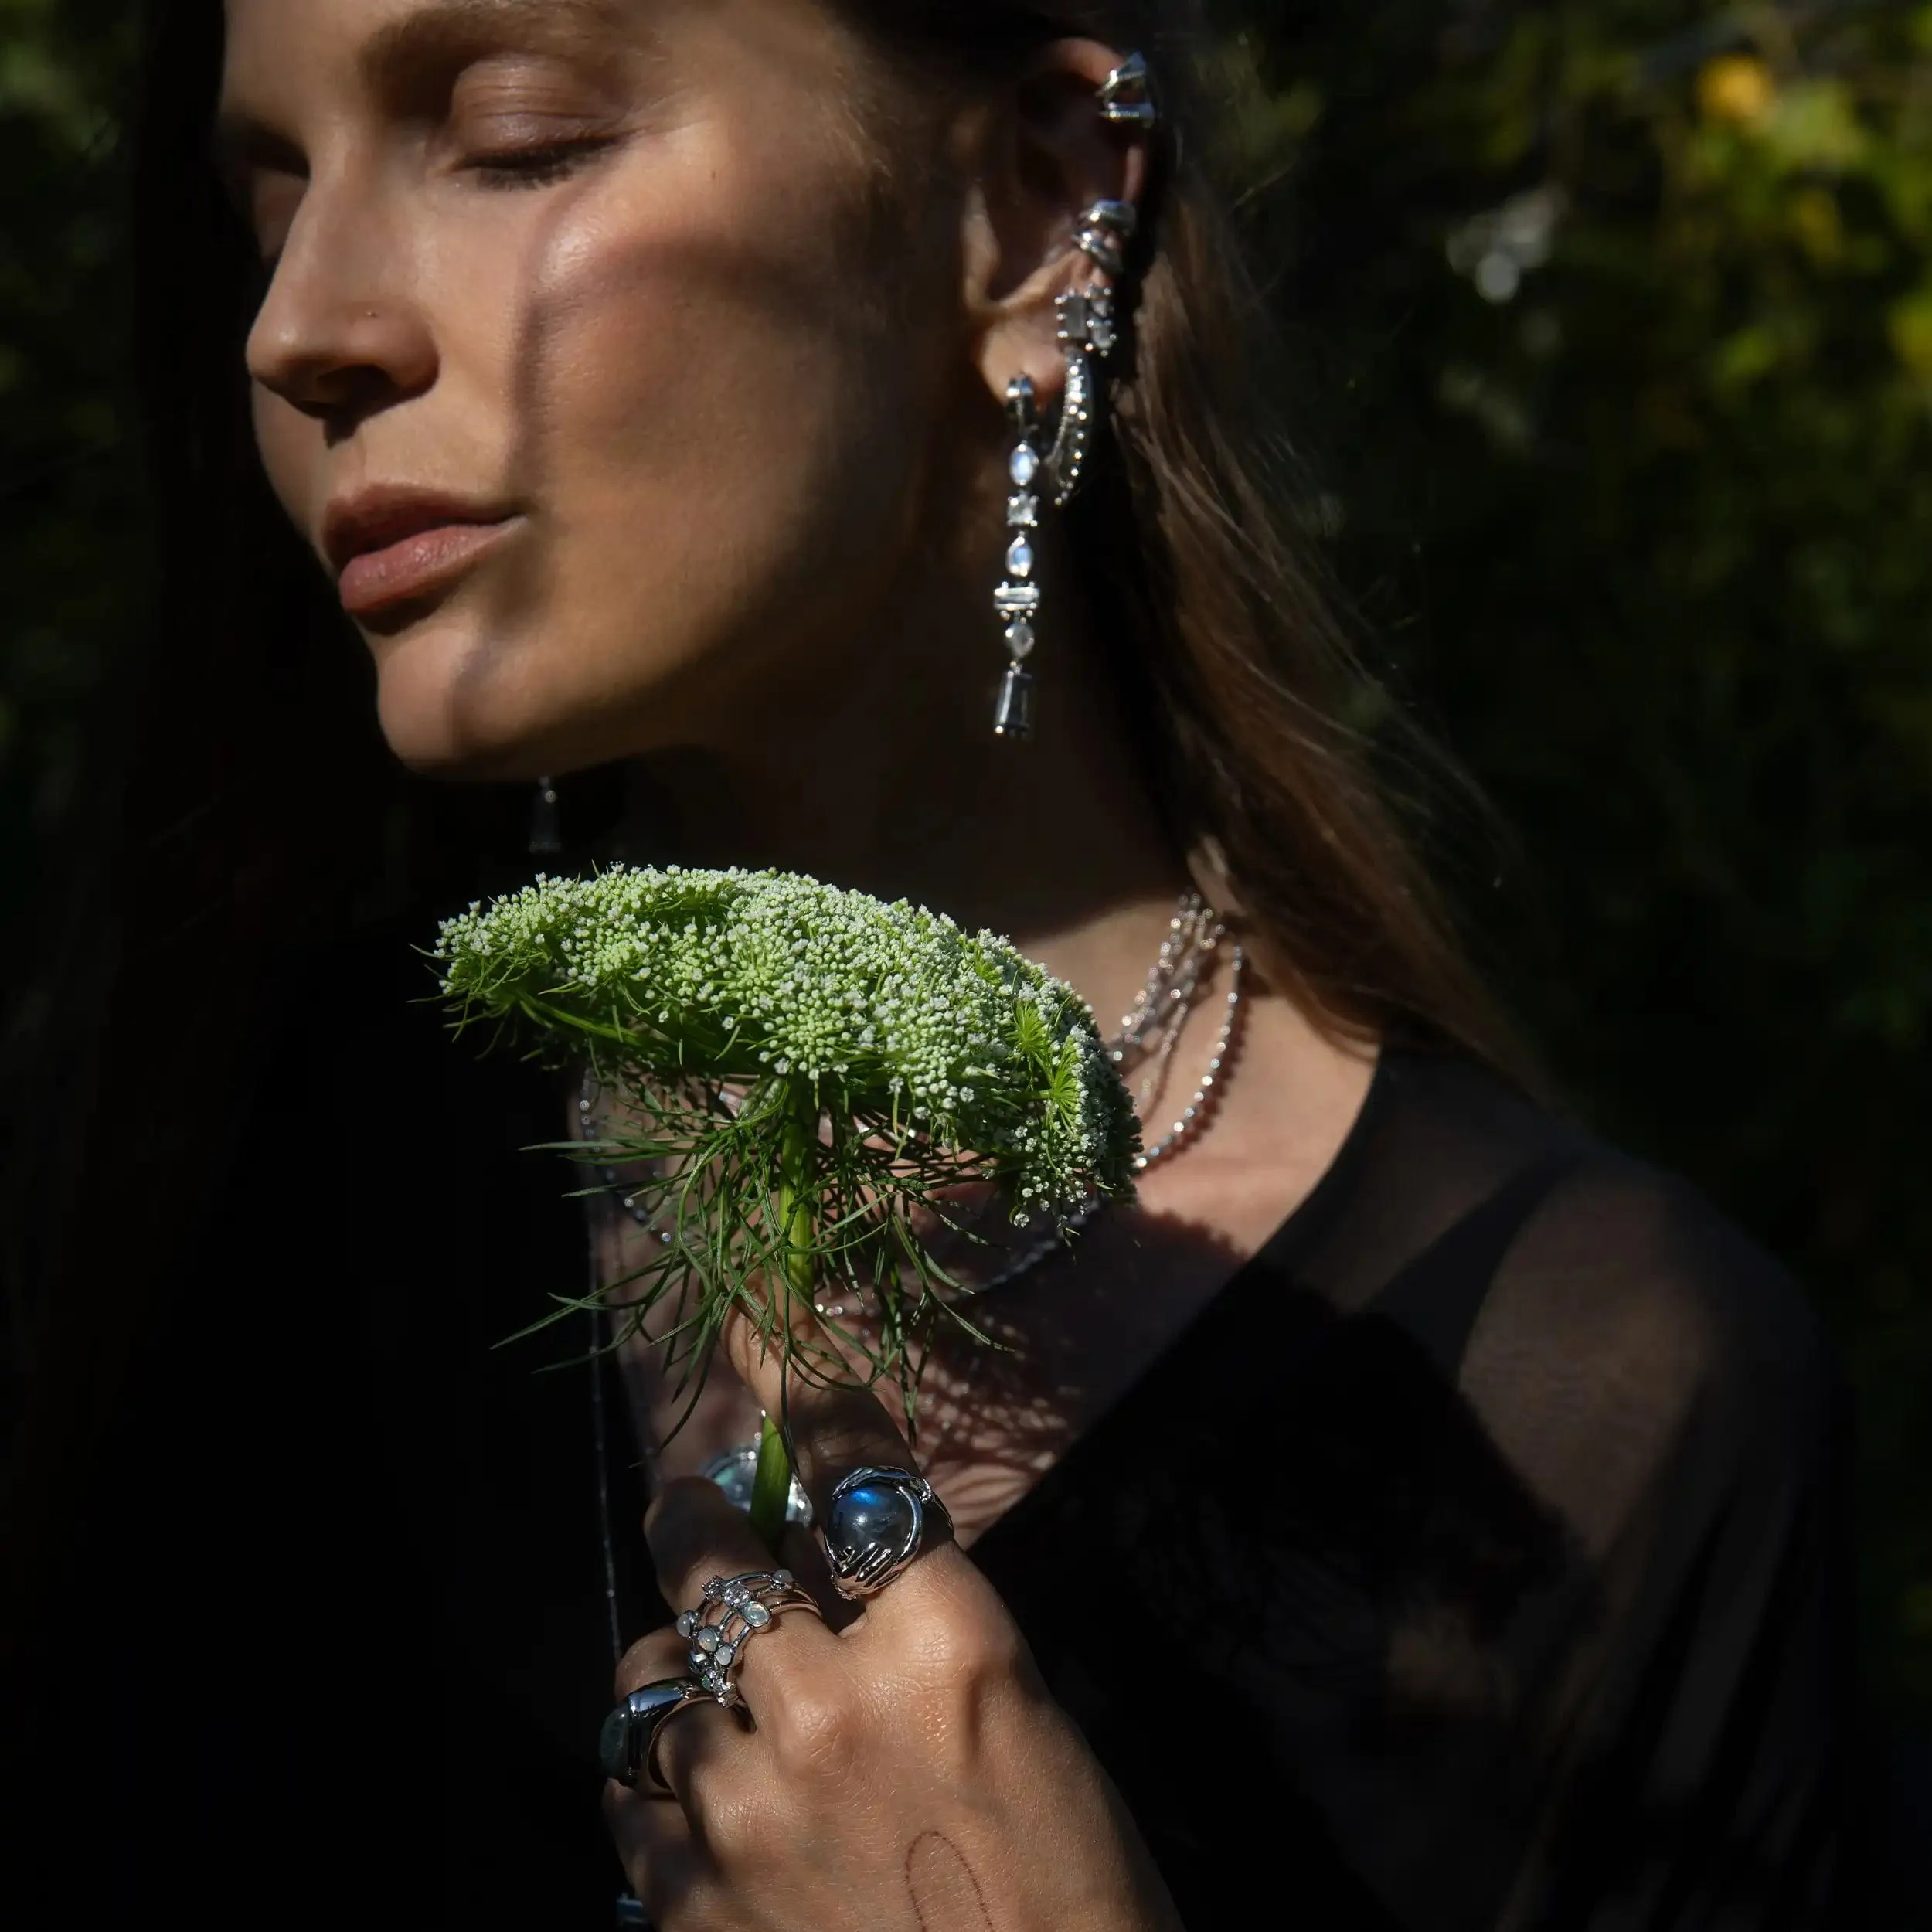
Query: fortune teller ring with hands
(906,1770)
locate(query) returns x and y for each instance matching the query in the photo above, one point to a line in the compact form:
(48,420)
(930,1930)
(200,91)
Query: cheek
(720,446)
(734,423)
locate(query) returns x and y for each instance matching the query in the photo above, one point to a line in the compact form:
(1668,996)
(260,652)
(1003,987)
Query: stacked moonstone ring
(733,1610)
(875,1525)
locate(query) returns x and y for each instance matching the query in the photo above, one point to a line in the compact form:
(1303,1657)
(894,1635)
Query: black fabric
(1500,1587)
(1495,1585)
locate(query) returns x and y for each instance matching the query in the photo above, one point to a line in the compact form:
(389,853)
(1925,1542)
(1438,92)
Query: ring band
(628,1741)
(732,1611)
(875,1526)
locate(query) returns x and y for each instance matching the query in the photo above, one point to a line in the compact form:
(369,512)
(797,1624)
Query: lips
(391,547)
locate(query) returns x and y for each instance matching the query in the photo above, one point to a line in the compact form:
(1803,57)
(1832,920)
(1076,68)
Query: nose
(340,334)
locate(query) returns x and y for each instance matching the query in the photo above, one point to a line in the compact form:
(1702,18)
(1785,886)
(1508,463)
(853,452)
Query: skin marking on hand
(945,1895)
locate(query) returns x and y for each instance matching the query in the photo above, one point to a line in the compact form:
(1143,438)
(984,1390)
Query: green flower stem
(771,1484)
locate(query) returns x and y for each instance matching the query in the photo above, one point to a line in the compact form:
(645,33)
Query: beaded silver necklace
(1159,1011)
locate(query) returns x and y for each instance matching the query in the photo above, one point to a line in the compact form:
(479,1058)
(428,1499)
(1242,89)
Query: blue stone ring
(875,1526)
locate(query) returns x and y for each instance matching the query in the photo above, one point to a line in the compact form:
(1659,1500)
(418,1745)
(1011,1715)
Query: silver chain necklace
(1149,1032)
(1173,1002)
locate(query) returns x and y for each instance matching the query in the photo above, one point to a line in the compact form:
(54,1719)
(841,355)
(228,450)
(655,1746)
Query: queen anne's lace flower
(892,1013)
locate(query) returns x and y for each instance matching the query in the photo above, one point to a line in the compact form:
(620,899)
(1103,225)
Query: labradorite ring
(624,1746)
(875,1526)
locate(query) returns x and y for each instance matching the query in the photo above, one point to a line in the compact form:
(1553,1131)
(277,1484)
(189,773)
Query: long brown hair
(1193,539)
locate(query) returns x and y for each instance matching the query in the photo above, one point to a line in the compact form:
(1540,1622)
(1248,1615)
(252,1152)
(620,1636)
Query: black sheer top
(1512,1600)
(1501,1589)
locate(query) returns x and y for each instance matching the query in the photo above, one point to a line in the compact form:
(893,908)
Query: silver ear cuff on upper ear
(1088,328)
(1125,97)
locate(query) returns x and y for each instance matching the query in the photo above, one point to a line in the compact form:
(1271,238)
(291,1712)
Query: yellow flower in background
(1909,325)
(1734,87)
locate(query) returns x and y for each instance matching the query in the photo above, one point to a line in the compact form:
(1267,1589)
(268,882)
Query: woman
(1410,1513)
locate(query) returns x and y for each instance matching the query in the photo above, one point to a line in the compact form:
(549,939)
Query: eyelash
(537,167)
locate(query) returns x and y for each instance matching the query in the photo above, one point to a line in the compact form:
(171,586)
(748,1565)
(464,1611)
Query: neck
(884,775)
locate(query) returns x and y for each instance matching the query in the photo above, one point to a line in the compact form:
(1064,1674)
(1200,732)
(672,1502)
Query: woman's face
(593,365)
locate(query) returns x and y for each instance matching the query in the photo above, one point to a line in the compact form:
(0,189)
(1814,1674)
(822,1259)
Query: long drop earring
(1017,599)
(1088,328)
(1088,332)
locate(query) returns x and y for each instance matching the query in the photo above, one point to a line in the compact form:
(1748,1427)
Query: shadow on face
(585,363)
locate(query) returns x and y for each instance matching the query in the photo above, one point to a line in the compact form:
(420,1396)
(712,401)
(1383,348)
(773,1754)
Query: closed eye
(537,166)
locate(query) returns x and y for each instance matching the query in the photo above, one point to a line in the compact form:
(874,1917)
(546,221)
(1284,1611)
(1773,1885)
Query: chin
(457,702)
(453,705)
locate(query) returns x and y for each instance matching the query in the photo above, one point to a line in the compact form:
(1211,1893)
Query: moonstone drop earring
(1017,599)
(1088,328)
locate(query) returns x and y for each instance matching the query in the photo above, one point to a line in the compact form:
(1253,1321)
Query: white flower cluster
(892,1012)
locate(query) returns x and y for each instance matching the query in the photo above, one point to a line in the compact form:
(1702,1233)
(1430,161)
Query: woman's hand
(906,1771)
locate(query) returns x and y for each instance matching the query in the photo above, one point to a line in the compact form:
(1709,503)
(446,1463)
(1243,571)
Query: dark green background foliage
(1616,326)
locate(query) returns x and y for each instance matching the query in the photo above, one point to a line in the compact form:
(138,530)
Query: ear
(1047,154)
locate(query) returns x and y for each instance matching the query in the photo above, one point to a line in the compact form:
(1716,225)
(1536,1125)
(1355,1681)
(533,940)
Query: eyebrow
(401,60)
(425,45)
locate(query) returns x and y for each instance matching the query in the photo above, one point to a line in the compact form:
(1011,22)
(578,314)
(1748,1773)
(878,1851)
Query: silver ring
(874,1524)
(734,1471)
(733,1610)
(624,1746)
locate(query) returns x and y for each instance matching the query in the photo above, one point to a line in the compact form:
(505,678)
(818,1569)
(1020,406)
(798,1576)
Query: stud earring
(1017,599)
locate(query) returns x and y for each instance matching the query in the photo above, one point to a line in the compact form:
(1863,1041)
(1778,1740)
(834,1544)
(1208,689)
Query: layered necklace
(1149,1032)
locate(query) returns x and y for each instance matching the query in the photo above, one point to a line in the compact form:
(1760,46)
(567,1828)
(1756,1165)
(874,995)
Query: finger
(650,1660)
(832,1427)
(696,1534)
(699,1749)
(655,1847)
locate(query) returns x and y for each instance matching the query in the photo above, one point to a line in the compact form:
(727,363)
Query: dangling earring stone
(1017,599)
(546,829)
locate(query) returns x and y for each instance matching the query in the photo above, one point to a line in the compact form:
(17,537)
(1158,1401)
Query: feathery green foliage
(803,1070)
